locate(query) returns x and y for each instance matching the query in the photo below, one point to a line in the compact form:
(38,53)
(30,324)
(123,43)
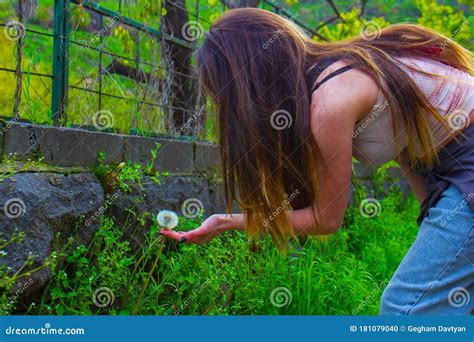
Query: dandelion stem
(147,282)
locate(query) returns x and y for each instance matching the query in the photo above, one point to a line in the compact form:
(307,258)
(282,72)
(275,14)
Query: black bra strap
(331,75)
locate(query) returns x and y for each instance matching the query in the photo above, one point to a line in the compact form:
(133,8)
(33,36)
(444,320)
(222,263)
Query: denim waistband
(455,166)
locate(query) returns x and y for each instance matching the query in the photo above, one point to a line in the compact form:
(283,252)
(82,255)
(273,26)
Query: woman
(292,114)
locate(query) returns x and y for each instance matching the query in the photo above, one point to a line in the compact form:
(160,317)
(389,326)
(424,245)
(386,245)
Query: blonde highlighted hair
(254,63)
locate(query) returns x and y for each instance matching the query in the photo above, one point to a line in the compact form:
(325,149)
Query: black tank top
(318,69)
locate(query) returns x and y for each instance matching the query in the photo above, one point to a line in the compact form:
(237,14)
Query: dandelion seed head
(167,219)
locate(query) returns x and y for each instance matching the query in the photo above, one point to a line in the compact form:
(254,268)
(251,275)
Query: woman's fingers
(201,235)
(193,235)
(172,234)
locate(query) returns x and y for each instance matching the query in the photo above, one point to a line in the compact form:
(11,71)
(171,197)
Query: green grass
(343,274)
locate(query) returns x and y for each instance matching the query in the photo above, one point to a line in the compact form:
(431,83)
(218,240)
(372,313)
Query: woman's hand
(213,226)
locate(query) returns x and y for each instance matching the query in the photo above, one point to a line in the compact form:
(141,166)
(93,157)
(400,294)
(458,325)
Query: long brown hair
(255,65)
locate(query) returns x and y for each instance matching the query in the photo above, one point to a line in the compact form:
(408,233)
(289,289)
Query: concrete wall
(63,195)
(76,147)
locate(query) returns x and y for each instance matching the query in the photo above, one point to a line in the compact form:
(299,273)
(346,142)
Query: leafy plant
(341,274)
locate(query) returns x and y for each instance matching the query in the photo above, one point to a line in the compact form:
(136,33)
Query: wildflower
(167,219)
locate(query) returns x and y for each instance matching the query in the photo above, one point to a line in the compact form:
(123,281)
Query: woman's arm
(336,106)
(417,182)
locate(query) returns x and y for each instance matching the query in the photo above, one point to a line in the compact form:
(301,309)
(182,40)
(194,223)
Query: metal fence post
(60,61)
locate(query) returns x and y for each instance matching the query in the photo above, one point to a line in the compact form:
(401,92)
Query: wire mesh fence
(123,66)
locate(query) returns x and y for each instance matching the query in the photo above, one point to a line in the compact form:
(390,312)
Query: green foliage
(10,166)
(7,277)
(126,42)
(446,20)
(341,274)
(353,25)
(126,175)
(10,277)
(80,17)
(83,269)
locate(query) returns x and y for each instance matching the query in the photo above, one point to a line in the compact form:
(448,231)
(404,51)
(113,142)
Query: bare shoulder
(349,95)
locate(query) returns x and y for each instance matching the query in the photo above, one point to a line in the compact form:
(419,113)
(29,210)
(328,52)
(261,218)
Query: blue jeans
(437,274)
